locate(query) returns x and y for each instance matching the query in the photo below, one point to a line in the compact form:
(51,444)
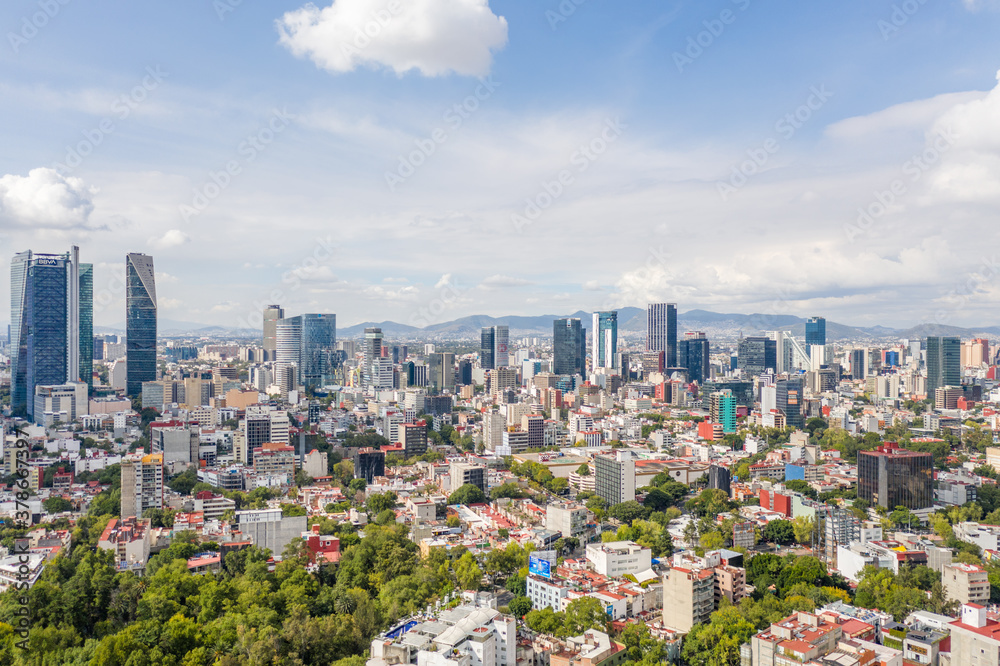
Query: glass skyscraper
(605,340)
(568,347)
(661,330)
(693,354)
(788,399)
(816,331)
(86,318)
(944,363)
(757,355)
(317,349)
(487,339)
(140,322)
(51,332)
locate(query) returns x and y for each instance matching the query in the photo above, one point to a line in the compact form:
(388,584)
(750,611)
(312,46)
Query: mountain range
(631,324)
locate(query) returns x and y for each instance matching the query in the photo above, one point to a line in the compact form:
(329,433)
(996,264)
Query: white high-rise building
(501,346)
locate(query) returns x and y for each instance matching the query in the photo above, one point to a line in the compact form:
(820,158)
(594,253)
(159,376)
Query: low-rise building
(618,558)
(129,539)
(966,583)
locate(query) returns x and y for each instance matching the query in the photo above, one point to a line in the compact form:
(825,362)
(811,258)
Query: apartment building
(966,583)
(796,640)
(688,598)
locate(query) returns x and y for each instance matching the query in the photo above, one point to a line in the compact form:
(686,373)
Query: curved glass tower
(140,322)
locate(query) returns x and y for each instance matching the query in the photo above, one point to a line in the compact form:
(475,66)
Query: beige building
(730,583)
(315,464)
(797,639)
(975,640)
(966,583)
(141,484)
(688,598)
(128,539)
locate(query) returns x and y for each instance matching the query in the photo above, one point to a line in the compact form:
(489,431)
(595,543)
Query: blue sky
(164,96)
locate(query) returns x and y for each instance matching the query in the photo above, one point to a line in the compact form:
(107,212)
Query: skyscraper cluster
(303,348)
(52,326)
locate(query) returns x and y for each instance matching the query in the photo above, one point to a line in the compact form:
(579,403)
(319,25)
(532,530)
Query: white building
(618,558)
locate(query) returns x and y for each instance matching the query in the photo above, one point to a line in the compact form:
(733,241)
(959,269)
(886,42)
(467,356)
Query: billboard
(539,567)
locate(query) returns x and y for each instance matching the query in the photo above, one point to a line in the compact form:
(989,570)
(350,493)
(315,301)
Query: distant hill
(631,324)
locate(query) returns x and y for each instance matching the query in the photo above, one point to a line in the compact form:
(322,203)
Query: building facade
(891,476)
(140,322)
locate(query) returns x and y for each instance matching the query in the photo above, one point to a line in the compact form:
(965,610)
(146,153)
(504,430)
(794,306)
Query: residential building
(545,593)
(797,639)
(966,583)
(723,410)
(568,519)
(315,464)
(975,639)
(177,444)
(688,598)
(955,493)
(129,539)
(275,458)
(141,484)
(614,477)
(462,473)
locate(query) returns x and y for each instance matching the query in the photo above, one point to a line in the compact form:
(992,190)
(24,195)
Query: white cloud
(44,199)
(908,116)
(172,238)
(503,282)
(435,37)
(967,140)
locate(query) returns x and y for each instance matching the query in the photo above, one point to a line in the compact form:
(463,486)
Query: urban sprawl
(598,493)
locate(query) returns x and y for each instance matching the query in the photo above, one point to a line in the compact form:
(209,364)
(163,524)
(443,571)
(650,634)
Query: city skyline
(144,148)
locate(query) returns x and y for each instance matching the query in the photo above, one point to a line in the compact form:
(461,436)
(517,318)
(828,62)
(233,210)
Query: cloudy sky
(420,160)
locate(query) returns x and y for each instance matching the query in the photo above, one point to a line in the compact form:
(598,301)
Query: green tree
(379,502)
(468,573)
(519,606)
(468,494)
(626,512)
(57,504)
(779,531)
(584,614)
